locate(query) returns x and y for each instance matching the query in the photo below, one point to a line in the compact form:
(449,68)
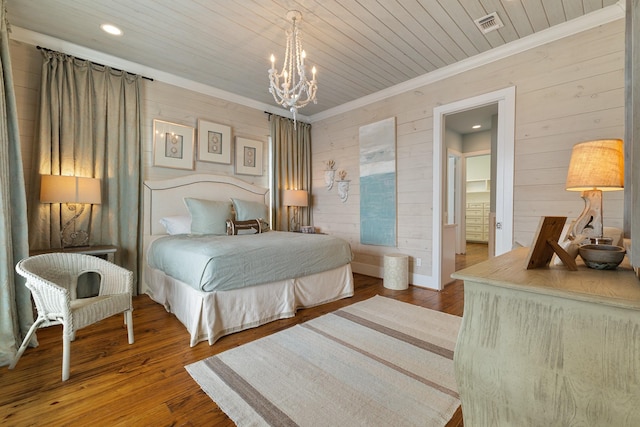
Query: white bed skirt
(211,315)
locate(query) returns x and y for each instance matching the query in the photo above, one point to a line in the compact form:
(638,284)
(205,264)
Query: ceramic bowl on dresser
(602,257)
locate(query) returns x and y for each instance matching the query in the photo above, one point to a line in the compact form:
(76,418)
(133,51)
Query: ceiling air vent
(489,23)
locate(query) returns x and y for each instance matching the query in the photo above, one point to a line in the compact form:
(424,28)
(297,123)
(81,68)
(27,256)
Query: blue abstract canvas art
(378,183)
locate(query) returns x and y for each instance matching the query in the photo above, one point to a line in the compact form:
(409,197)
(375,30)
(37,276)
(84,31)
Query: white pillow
(177,224)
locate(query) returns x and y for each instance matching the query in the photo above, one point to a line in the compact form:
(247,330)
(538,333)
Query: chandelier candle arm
(291,88)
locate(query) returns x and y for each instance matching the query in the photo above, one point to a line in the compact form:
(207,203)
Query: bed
(212,308)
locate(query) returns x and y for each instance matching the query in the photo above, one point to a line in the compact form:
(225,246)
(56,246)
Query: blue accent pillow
(246,210)
(208,216)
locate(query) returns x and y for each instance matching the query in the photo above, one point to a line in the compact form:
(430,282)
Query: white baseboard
(423,281)
(377,271)
(367,269)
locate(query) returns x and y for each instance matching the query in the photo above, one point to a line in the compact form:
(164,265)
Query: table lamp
(595,166)
(71,190)
(297,199)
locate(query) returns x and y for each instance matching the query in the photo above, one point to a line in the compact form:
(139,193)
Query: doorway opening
(498,185)
(470,138)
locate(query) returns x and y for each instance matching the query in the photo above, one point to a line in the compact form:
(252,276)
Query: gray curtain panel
(291,154)
(90,126)
(16,313)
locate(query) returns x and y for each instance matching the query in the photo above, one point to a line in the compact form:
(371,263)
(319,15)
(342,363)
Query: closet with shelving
(478,187)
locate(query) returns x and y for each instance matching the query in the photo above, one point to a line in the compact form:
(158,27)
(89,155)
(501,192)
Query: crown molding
(557,32)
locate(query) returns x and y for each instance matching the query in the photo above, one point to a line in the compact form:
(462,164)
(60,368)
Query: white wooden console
(550,346)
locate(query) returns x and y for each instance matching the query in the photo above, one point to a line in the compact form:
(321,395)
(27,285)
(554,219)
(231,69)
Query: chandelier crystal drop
(290,88)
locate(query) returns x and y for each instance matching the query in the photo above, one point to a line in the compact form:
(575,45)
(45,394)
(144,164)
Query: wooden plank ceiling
(359,46)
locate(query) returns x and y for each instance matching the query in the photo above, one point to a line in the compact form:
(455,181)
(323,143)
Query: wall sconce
(595,166)
(71,190)
(296,199)
(343,186)
(329,174)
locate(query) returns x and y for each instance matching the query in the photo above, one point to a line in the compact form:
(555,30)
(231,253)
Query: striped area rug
(379,362)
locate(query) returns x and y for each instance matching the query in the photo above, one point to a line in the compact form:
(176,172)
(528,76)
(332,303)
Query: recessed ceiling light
(476,126)
(111,29)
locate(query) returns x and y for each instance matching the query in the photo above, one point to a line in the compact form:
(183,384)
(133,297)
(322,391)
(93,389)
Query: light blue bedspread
(222,263)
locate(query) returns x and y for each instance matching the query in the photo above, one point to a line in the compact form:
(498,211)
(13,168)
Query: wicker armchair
(52,280)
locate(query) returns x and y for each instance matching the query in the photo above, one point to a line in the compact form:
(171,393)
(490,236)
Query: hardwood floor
(476,252)
(113,383)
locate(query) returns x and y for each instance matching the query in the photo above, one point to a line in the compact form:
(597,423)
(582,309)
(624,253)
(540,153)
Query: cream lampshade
(71,190)
(595,166)
(297,199)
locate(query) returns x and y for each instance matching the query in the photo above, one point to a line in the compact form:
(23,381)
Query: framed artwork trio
(176,146)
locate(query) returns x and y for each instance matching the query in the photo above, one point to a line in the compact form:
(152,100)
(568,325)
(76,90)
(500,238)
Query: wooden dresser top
(618,287)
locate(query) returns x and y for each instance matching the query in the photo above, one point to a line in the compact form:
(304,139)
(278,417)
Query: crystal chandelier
(291,88)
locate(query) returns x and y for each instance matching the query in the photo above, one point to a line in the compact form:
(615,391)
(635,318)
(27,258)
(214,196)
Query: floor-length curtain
(16,315)
(89,127)
(291,156)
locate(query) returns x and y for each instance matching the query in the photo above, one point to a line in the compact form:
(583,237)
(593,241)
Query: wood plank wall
(173,104)
(567,91)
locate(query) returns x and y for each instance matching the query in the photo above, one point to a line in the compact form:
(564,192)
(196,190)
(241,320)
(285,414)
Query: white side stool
(396,271)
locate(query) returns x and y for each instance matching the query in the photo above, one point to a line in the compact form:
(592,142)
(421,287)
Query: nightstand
(107,252)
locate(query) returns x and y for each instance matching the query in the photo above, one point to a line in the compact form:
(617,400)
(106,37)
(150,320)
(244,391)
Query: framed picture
(248,156)
(214,142)
(173,145)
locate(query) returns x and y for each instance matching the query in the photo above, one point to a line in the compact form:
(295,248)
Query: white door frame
(506,100)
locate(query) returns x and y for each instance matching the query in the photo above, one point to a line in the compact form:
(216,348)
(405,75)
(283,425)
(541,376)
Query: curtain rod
(284,117)
(93,62)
